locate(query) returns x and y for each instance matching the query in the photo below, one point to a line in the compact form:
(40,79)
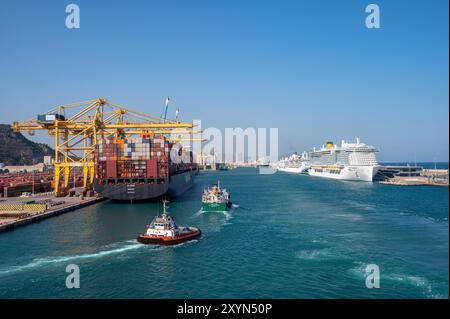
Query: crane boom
(77,127)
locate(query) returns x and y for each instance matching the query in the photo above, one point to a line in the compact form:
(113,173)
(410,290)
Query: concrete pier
(13,217)
(412,176)
(414,181)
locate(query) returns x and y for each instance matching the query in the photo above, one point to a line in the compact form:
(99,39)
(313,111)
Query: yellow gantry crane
(77,127)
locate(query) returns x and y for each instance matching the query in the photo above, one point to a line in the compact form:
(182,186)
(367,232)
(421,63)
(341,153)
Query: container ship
(141,168)
(349,161)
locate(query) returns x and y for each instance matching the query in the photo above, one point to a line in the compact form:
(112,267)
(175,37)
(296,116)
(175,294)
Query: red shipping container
(152,168)
(111,169)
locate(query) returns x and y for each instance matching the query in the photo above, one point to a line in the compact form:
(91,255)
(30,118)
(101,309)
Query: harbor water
(287,236)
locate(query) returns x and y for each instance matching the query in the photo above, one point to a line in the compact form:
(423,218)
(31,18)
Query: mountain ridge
(16,149)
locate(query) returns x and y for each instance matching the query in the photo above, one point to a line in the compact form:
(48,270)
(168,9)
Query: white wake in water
(216,223)
(228,216)
(224,212)
(419,282)
(199,212)
(115,248)
(186,243)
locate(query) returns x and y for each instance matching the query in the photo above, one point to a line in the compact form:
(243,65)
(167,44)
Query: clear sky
(310,68)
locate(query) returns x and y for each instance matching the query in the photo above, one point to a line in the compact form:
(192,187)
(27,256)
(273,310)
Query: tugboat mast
(164,208)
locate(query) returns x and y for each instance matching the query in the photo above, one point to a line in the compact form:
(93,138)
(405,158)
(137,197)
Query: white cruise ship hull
(351,173)
(296,170)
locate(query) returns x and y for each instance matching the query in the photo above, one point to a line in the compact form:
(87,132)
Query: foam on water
(319,241)
(115,248)
(227,214)
(198,213)
(352,217)
(186,243)
(214,212)
(318,254)
(397,278)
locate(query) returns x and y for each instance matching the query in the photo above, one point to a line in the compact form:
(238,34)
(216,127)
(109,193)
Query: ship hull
(296,170)
(351,173)
(179,183)
(215,207)
(147,240)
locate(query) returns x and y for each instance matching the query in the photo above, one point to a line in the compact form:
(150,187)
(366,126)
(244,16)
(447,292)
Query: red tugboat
(164,231)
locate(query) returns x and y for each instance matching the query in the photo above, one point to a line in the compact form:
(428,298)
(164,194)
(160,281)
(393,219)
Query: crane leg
(56,179)
(91,175)
(85,176)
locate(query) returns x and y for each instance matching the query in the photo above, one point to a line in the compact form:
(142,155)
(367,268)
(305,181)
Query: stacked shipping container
(132,158)
(13,184)
(140,168)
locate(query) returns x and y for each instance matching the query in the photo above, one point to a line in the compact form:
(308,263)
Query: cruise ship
(350,161)
(294,164)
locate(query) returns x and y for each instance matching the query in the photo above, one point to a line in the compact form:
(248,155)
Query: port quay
(16,212)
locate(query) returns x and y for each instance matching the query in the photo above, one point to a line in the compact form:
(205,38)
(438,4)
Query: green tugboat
(215,199)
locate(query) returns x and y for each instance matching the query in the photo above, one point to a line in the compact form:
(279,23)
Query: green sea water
(287,236)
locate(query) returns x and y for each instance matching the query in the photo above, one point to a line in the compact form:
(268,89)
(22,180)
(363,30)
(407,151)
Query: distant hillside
(15,149)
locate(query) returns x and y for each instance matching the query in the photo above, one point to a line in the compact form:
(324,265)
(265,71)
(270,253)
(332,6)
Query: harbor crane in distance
(77,127)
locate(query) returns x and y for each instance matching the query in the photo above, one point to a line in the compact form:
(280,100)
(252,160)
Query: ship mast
(164,208)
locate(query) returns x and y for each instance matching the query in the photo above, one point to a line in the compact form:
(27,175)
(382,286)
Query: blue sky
(310,68)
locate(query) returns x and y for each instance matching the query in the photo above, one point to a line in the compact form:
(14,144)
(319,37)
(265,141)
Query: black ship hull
(145,189)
